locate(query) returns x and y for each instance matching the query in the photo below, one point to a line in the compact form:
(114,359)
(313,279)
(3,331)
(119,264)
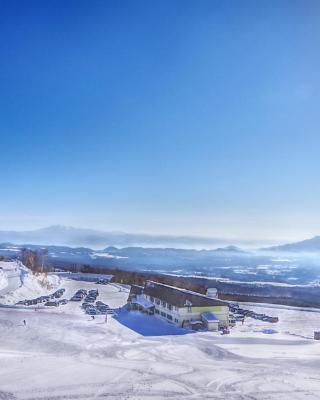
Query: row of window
(164,315)
(163,304)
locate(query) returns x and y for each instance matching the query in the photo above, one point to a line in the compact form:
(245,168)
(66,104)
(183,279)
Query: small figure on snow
(24,322)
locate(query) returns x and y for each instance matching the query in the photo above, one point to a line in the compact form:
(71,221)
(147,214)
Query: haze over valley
(295,263)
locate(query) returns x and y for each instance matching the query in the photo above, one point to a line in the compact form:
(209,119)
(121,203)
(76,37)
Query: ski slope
(63,354)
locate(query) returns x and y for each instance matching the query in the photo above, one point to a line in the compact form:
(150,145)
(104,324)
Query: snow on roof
(209,317)
(142,301)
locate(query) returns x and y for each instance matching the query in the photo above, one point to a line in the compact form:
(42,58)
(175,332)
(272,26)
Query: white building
(179,306)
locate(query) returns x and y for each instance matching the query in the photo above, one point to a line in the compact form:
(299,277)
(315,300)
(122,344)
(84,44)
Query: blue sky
(182,117)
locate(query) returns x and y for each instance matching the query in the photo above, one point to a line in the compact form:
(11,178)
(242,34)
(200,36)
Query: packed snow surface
(63,353)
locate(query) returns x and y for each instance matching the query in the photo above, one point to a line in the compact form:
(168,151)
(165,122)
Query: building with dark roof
(179,306)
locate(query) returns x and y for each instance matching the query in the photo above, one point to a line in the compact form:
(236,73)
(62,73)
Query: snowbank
(3,279)
(23,284)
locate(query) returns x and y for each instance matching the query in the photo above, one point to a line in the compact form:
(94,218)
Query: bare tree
(34,260)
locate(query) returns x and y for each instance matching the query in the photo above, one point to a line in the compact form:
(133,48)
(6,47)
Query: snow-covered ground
(63,354)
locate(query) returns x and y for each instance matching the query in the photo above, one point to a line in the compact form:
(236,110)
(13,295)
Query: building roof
(179,297)
(136,289)
(209,317)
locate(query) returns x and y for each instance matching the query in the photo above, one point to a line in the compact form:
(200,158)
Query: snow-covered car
(91,311)
(22,302)
(90,299)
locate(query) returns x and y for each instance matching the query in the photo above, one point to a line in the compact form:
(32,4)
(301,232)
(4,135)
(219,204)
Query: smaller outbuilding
(317,335)
(210,321)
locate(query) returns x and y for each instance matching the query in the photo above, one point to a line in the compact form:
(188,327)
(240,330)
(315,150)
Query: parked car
(90,299)
(76,298)
(52,304)
(91,311)
(102,282)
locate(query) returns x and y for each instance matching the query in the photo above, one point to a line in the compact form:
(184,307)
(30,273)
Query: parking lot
(239,314)
(49,300)
(89,303)
(79,297)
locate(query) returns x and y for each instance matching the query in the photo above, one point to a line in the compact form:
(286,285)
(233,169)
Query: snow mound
(3,279)
(19,283)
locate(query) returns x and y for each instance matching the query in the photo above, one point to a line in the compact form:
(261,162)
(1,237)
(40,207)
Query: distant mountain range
(68,236)
(305,246)
(58,235)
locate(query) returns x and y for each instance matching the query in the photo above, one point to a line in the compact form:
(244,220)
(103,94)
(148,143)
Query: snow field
(64,354)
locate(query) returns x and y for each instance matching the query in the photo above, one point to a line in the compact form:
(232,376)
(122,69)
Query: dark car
(52,304)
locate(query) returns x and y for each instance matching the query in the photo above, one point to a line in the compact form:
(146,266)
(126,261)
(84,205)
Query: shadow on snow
(148,325)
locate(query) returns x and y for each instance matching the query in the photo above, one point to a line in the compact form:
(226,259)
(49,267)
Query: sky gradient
(179,117)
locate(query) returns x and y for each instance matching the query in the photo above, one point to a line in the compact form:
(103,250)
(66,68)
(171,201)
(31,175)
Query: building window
(163,303)
(176,308)
(157,311)
(163,314)
(169,306)
(169,317)
(152,299)
(176,320)
(158,302)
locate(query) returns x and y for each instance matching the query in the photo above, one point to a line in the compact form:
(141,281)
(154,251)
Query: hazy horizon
(156,239)
(262,239)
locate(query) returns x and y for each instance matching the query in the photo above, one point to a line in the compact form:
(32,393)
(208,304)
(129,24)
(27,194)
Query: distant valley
(224,263)
(292,264)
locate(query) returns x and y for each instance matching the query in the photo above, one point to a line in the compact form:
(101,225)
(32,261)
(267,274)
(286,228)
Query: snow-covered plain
(63,354)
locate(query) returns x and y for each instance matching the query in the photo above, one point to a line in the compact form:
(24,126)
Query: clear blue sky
(193,117)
